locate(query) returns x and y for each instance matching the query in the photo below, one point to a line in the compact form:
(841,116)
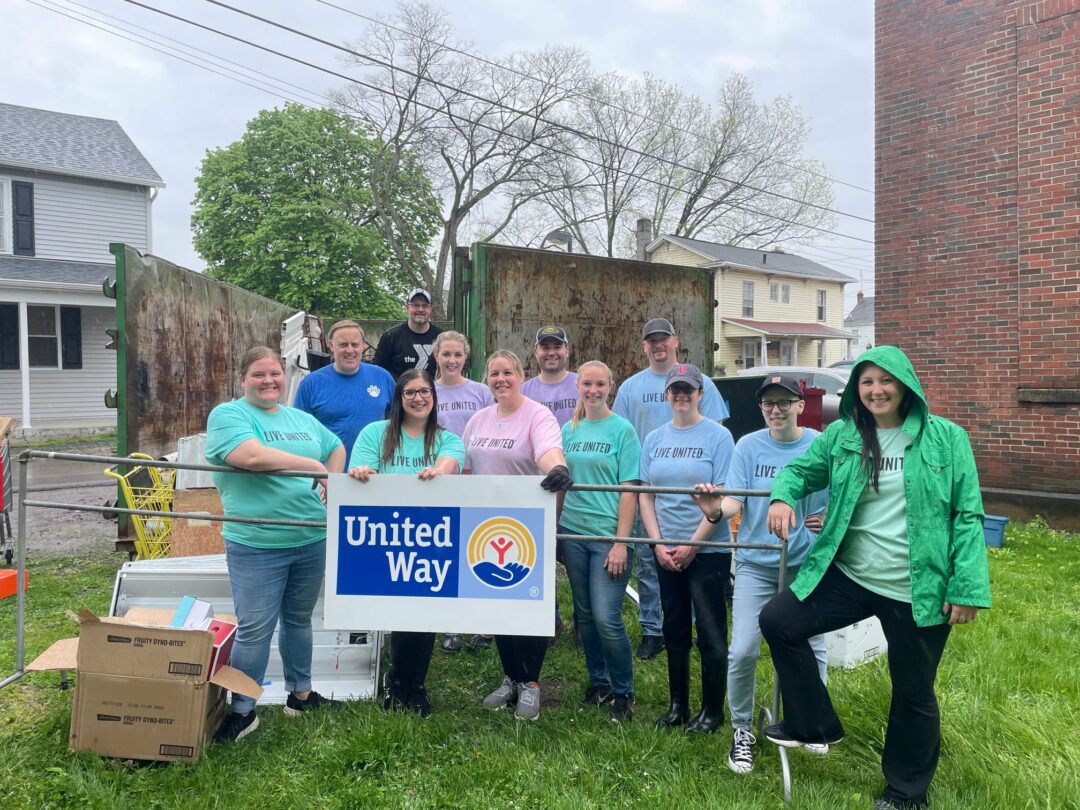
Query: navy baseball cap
(556,332)
(785,381)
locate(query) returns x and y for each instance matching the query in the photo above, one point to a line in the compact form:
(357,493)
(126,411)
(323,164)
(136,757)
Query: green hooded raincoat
(941,485)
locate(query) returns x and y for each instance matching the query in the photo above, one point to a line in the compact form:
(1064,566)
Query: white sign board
(460,553)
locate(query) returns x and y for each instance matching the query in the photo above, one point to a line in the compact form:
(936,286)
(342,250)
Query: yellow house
(775,308)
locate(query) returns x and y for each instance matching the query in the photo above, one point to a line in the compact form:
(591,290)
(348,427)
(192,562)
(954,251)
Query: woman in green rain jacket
(902,541)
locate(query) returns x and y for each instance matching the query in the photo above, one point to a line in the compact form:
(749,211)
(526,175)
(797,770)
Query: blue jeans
(650,614)
(269,584)
(598,607)
(755,585)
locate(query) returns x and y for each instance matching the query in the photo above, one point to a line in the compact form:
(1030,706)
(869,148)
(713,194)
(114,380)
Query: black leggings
(410,656)
(522,656)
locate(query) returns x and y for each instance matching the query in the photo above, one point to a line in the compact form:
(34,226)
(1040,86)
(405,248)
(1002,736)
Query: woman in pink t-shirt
(516,436)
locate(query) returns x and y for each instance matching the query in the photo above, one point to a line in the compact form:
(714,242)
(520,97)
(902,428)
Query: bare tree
(484,132)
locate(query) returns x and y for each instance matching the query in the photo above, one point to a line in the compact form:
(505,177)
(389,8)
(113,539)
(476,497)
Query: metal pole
(20,569)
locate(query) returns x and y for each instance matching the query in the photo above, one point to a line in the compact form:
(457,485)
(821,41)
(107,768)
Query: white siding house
(69,185)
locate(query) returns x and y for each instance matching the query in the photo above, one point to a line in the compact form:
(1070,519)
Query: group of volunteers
(881,514)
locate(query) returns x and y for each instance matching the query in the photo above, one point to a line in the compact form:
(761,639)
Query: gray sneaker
(528,704)
(506,694)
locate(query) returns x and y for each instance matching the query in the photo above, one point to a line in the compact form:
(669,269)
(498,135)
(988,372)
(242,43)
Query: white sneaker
(817,749)
(741,757)
(528,704)
(503,696)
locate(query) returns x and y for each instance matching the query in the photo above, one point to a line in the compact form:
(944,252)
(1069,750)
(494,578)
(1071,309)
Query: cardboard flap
(62,654)
(161,617)
(236,681)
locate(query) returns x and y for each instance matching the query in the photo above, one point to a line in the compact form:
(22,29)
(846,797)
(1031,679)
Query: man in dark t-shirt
(409,344)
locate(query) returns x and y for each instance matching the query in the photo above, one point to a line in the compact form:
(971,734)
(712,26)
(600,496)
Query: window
(5,215)
(821,350)
(54,336)
(785,293)
(821,296)
(774,292)
(748,299)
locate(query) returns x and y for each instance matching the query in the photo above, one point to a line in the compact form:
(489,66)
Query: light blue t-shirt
(603,452)
(410,458)
(642,401)
(268,496)
(682,457)
(758,458)
(560,398)
(345,403)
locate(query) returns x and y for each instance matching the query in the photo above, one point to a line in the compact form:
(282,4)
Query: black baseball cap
(785,381)
(657,326)
(553,331)
(684,373)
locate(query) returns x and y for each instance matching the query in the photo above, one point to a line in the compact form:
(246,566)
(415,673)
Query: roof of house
(790,328)
(766,261)
(53,271)
(71,144)
(862,312)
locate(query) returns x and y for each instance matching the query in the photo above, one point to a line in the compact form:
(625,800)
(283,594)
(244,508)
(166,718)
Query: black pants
(522,657)
(698,593)
(410,656)
(913,735)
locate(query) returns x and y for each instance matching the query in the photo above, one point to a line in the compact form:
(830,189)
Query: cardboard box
(856,644)
(191,538)
(145,690)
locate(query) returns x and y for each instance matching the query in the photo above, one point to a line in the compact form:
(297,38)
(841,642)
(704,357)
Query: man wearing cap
(642,401)
(349,394)
(758,457)
(555,387)
(409,344)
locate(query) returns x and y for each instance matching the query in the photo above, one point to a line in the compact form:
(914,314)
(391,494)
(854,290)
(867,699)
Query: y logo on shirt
(423,353)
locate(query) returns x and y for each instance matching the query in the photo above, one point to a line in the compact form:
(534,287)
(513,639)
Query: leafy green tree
(287,212)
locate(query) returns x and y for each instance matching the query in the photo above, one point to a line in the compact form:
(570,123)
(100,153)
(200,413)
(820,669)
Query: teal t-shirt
(409,459)
(602,452)
(270,496)
(875,550)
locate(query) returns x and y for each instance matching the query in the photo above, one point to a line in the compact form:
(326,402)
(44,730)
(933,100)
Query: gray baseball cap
(684,373)
(657,326)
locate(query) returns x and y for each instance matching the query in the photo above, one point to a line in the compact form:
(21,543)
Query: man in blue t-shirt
(642,401)
(349,394)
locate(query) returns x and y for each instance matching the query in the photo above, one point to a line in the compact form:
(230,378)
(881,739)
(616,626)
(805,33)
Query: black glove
(558,480)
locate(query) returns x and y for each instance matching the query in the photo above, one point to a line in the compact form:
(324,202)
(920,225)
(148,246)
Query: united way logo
(501,552)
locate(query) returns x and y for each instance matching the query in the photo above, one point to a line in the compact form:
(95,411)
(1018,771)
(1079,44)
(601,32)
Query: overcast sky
(820,53)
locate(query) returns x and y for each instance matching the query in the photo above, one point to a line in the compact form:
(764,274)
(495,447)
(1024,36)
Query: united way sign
(461,553)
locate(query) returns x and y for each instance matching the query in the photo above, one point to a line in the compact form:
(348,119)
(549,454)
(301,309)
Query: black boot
(713,687)
(678,673)
(395,694)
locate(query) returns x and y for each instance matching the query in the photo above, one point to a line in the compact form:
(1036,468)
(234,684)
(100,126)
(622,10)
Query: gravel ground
(57,532)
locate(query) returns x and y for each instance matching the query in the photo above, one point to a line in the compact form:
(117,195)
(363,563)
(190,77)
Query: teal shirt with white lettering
(268,496)
(410,458)
(874,551)
(606,451)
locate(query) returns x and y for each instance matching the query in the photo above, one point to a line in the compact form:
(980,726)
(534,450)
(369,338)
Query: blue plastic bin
(994,530)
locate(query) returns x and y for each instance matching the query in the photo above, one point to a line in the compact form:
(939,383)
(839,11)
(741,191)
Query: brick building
(978,225)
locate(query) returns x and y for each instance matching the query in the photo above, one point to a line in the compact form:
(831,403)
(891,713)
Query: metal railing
(765,715)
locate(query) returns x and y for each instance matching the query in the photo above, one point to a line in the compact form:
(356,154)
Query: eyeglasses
(784,405)
(413,393)
(420,305)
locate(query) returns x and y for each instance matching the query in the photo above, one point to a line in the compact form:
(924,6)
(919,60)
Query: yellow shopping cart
(149,488)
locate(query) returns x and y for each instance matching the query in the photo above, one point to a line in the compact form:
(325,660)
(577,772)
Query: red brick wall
(978,222)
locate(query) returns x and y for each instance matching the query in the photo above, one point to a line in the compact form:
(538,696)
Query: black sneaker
(741,757)
(622,708)
(451,643)
(294,707)
(395,695)
(595,696)
(778,735)
(236,726)
(418,702)
(478,643)
(888,804)
(650,647)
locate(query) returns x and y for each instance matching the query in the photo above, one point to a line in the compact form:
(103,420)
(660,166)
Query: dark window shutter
(22,198)
(71,337)
(9,337)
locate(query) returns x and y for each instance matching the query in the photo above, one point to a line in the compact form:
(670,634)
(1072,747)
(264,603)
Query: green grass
(1008,686)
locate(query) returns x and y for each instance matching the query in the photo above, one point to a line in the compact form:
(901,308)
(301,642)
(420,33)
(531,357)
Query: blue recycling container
(994,530)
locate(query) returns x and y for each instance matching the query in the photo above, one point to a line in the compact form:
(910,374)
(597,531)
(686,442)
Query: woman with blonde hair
(516,436)
(600,448)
